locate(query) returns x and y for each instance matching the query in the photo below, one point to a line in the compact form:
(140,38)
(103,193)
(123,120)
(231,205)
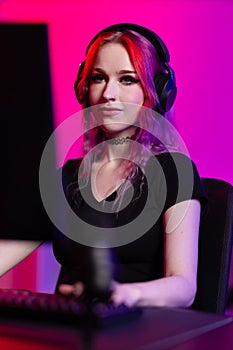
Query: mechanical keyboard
(55,308)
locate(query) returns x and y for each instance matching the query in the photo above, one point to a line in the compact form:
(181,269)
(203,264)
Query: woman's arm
(14,251)
(178,287)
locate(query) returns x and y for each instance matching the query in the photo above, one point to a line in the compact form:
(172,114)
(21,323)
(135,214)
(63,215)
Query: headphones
(164,81)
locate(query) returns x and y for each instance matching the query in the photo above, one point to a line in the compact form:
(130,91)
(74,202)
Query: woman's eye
(129,80)
(97,78)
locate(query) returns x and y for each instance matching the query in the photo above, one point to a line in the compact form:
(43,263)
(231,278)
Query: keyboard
(27,305)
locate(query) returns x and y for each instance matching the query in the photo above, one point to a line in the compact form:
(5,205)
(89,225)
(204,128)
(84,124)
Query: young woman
(129,178)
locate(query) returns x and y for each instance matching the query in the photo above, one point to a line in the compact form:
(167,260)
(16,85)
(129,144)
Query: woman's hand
(126,293)
(76,289)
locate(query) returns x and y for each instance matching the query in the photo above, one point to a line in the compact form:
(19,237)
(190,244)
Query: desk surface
(154,329)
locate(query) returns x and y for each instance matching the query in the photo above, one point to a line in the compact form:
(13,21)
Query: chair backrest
(215,246)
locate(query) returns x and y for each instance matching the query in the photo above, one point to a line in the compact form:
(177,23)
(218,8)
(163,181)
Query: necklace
(119,140)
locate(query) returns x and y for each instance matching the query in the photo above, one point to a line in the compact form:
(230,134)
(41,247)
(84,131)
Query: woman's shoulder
(181,176)
(177,163)
(172,156)
(72,163)
(169,161)
(70,169)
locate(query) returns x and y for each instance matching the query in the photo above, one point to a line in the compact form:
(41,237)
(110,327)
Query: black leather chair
(215,247)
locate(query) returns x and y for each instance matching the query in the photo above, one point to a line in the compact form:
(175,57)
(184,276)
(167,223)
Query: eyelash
(125,79)
(129,80)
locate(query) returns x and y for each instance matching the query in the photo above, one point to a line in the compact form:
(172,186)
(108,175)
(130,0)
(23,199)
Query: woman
(118,86)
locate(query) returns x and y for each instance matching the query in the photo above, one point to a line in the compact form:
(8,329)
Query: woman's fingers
(127,294)
(65,289)
(76,289)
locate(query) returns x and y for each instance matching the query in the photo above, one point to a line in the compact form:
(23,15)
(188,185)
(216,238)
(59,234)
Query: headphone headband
(155,40)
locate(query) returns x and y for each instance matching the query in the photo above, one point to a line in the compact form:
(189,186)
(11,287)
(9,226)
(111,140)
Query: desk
(154,329)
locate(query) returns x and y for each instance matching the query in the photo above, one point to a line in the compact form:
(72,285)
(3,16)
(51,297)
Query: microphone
(98,273)
(97,276)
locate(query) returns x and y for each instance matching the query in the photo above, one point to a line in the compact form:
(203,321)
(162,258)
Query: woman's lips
(110,111)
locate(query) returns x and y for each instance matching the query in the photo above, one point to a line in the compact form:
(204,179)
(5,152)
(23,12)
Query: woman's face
(115,90)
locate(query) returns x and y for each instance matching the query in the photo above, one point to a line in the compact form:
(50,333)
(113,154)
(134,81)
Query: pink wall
(199,37)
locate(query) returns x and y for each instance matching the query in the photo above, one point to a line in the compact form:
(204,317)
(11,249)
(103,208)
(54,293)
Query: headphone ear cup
(80,95)
(166,90)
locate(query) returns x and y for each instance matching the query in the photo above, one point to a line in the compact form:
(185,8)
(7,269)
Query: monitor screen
(26,124)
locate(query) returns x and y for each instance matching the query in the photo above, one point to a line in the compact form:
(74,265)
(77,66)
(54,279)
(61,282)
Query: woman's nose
(110,91)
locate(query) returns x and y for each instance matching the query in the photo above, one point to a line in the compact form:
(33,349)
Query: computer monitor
(26,124)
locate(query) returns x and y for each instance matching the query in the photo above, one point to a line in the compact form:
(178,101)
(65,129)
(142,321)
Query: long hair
(146,64)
